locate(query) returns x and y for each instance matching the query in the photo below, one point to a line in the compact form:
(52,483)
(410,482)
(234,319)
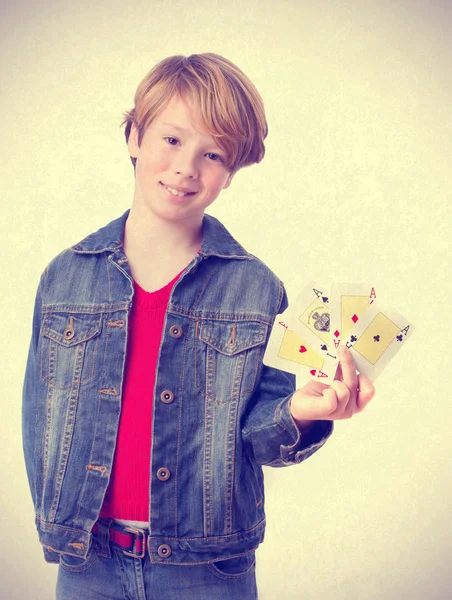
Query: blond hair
(231,107)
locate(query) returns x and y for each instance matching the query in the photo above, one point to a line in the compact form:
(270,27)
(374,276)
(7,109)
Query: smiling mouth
(175,192)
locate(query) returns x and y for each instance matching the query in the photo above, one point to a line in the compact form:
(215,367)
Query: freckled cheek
(148,169)
(159,166)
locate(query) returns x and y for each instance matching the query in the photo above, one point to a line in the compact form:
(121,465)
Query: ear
(228,180)
(132,143)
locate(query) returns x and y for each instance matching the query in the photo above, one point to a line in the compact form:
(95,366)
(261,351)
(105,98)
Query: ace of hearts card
(287,351)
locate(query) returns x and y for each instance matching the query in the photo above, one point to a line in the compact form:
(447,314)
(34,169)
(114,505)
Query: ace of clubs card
(376,338)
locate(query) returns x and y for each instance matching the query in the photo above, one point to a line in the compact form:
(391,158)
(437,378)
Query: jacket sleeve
(32,412)
(269,427)
(33,415)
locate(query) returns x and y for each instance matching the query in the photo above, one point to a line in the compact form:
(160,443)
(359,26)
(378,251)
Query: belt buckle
(142,535)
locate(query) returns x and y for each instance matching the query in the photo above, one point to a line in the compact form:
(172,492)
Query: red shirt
(127,495)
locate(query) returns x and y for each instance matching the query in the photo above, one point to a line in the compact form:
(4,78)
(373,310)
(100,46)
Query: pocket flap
(230,338)
(69,329)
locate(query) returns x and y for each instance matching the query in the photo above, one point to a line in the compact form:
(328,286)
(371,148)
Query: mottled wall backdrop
(355,186)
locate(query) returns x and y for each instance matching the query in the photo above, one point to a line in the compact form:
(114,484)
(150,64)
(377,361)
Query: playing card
(348,303)
(309,317)
(289,352)
(376,338)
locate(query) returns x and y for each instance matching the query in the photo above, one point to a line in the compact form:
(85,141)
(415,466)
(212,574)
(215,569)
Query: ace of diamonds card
(349,302)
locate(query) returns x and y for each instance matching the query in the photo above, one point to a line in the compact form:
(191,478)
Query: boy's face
(176,151)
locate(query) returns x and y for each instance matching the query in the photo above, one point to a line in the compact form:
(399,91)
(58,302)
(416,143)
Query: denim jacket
(219,414)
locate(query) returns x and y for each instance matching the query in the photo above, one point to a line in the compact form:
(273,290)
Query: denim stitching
(181,400)
(49,399)
(230,465)
(117,554)
(251,354)
(67,439)
(93,445)
(207,483)
(49,350)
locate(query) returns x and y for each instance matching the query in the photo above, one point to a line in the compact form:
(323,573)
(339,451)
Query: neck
(146,232)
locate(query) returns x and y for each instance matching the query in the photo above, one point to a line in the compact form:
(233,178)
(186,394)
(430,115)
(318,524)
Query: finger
(305,406)
(338,374)
(343,396)
(366,392)
(330,402)
(348,368)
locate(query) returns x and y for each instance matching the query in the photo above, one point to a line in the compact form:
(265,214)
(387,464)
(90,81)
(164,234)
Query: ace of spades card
(376,339)
(309,317)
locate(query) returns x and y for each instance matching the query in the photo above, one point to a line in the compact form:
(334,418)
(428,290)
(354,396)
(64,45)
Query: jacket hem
(59,539)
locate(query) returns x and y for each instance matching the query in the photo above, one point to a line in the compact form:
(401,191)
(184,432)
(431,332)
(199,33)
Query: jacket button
(164,551)
(175,331)
(167,396)
(163,474)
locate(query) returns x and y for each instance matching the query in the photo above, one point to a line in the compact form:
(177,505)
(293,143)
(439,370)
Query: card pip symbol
(376,338)
(400,338)
(321,321)
(355,318)
(319,373)
(353,339)
(303,349)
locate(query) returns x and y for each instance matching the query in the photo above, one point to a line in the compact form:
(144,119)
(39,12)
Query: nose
(186,164)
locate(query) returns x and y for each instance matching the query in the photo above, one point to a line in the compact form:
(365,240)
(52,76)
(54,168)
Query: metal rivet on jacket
(175,331)
(164,551)
(167,396)
(69,331)
(163,474)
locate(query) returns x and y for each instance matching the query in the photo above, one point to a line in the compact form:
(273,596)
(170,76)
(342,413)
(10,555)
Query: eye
(217,157)
(171,138)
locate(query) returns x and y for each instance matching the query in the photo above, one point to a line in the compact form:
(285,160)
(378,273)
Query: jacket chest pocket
(69,346)
(227,357)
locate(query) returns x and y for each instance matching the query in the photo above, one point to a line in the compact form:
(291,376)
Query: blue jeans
(108,573)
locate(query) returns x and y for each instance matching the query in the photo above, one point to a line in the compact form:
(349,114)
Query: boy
(147,411)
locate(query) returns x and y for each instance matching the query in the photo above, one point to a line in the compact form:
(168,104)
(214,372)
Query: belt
(131,540)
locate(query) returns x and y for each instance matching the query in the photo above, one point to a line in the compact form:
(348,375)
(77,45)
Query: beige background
(355,186)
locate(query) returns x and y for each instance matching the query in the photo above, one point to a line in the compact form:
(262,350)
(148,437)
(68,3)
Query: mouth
(176,192)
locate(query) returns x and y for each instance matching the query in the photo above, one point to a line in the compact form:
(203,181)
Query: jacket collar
(217,241)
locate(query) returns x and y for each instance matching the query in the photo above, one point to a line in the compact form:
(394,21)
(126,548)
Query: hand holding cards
(305,338)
